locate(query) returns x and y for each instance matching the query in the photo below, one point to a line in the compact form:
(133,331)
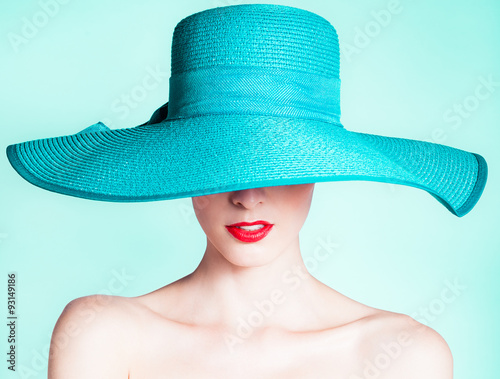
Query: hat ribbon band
(254,90)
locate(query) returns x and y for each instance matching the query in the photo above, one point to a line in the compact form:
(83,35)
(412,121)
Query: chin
(249,256)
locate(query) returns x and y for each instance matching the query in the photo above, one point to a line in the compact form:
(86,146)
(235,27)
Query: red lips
(250,235)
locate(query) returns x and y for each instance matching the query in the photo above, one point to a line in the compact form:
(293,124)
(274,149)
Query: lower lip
(249,235)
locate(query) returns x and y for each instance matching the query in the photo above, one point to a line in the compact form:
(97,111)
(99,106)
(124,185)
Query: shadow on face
(285,207)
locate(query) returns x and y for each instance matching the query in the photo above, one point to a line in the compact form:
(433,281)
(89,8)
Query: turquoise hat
(254,101)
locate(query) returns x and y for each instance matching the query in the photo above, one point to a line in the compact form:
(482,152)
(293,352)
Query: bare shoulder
(397,346)
(89,339)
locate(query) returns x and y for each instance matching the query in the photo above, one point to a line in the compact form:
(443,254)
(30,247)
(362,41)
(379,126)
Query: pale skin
(194,327)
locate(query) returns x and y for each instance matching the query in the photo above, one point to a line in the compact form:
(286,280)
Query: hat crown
(258,35)
(256,59)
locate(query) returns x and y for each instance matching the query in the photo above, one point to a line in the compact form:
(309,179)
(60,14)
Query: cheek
(200,202)
(203,213)
(209,213)
(299,201)
(296,209)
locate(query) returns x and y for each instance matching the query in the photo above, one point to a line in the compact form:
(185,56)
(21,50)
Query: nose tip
(248,198)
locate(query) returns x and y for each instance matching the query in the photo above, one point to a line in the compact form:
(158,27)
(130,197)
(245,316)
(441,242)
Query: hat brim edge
(482,176)
(468,205)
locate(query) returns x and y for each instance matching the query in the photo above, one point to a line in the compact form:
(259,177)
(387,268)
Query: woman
(236,317)
(252,122)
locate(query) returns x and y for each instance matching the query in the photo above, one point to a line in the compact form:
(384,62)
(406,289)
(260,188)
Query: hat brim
(220,153)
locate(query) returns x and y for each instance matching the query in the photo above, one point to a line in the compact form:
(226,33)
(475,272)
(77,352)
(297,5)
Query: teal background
(394,247)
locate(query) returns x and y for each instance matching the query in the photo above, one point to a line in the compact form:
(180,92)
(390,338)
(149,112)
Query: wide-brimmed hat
(254,101)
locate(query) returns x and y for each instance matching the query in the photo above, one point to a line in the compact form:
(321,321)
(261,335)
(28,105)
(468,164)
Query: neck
(227,294)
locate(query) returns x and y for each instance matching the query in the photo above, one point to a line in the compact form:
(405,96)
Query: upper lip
(260,222)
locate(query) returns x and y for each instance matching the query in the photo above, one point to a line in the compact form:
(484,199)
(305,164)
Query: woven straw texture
(255,103)
(256,35)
